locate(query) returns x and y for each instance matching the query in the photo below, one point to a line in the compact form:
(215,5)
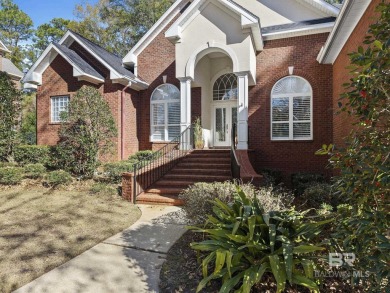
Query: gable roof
(81,69)
(3,47)
(180,6)
(118,73)
(247,18)
(10,68)
(350,14)
(73,58)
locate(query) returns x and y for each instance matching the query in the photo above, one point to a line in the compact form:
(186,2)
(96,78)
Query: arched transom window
(291,109)
(165,113)
(225,88)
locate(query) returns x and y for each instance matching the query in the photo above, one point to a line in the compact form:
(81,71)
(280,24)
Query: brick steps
(198,166)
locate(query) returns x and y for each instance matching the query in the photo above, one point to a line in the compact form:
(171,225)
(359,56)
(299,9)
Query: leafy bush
(301,181)
(87,133)
(34,171)
(143,155)
(271,177)
(103,189)
(319,193)
(11,175)
(32,154)
(114,171)
(10,110)
(197,198)
(59,177)
(363,227)
(8,164)
(244,243)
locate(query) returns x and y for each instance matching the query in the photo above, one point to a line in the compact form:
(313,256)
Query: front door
(224,117)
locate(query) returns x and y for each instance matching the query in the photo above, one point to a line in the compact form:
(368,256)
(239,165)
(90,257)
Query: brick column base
(127,187)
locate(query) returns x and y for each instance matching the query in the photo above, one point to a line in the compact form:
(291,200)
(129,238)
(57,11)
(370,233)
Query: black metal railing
(235,165)
(155,166)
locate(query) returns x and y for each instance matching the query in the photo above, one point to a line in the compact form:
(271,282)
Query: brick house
(6,65)
(250,63)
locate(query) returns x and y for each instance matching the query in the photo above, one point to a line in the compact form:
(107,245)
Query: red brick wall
(58,80)
(155,61)
(272,64)
(342,123)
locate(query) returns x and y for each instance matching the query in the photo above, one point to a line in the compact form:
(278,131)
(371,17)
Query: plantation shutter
(291,109)
(302,117)
(165,113)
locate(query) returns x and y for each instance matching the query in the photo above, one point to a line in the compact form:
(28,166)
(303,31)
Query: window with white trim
(165,113)
(292,109)
(59,104)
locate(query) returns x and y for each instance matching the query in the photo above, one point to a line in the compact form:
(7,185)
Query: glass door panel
(220,126)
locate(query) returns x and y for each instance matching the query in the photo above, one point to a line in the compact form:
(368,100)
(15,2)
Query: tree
(29,118)
(117,25)
(15,26)
(9,116)
(50,32)
(363,226)
(87,133)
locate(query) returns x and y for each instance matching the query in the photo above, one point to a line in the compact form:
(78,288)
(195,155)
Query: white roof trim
(247,21)
(350,14)
(311,30)
(323,6)
(113,73)
(4,48)
(166,18)
(34,75)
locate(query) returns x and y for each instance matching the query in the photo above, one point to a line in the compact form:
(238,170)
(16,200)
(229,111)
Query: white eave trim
(4,48)
(311,30)
(167,17)
(247,20)
(35,77)
(323,6)
(350,14)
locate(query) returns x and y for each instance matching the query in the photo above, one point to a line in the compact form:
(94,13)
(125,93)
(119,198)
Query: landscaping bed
(43,228)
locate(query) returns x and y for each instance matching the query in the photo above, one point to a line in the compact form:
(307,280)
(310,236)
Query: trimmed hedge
(301,181)
(34,171)
(11,175)
(114,171)
(32,154)
(59,177)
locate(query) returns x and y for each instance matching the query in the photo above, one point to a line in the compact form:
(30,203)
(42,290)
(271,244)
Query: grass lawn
(41,229)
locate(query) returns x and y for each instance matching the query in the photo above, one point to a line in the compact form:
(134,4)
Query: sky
(42,11)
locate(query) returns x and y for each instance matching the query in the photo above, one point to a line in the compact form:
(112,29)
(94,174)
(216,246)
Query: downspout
(123,119)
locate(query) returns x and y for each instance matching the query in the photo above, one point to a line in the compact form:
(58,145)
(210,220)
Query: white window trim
(291,121)
(166,124)
(52,120)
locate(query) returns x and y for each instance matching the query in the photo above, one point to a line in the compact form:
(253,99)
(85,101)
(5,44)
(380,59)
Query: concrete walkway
(127,262)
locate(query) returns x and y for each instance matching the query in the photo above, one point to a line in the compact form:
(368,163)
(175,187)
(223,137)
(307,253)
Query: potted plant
(198,134)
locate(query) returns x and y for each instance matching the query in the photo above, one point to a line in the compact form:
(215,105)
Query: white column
(242,123)
(185,107)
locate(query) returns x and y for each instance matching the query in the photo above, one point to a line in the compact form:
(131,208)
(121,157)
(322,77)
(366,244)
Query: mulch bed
(182,272)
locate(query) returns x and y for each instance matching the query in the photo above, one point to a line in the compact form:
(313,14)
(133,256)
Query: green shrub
(59,177)
(301,181)
(272,177)
(8,164)
(318,193)
(197,198)
(32,154)
(11,175)
(244,243)
(103,189)
(34,171)
(143,155)
(114,171)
